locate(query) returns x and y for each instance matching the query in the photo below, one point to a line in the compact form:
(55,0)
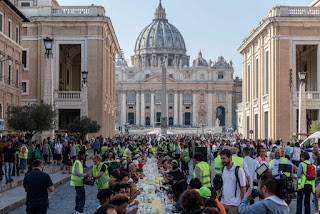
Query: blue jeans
(23,164)
(8,167)
(306,192)
(80,198)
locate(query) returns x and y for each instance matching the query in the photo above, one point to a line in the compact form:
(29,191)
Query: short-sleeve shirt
(36,184)
(8,154)
(230,184)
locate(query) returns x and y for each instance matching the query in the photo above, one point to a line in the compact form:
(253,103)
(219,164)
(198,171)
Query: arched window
(220,75)
(221,115)
(221,98)
(202,98)
(187,97)
(158,98)
(171,98)
(131,97)
(148,98)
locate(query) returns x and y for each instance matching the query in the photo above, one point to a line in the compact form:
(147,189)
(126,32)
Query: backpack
(310,172)
(236,172)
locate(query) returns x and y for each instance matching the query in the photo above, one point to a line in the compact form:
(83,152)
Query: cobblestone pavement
(63,200)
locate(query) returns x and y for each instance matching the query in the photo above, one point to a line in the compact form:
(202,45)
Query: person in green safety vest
(76,180)
(23,156)
(104,148)
(241,163)
(172,149)
(305,186)
(120,151)
(202,170)
(274,163)
(100,173)
(185,158)
(154,150)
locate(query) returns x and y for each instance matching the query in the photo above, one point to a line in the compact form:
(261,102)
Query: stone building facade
(284,43)
(196,95)
(83,41)
(11,64)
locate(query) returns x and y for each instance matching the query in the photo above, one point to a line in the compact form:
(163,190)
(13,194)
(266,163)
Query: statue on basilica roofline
(159,62)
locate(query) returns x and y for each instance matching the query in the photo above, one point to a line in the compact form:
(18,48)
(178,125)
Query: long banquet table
(153,199)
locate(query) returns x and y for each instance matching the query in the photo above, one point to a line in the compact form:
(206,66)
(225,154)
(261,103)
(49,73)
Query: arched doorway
(221,115)
(147,121)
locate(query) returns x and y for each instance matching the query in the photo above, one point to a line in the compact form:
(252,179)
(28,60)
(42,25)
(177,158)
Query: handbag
(88,181)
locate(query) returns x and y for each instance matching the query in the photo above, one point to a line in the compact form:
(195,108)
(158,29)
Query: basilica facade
(196,94)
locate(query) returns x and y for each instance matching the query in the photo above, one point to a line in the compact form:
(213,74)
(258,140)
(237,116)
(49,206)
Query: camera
(286,186)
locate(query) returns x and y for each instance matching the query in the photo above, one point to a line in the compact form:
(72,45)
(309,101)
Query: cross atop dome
(160,12)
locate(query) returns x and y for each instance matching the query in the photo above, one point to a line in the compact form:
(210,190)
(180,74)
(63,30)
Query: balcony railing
(265,98)
(130,102)
(68,95)
(247,105)
(310,95)
(255,102)
(187,102)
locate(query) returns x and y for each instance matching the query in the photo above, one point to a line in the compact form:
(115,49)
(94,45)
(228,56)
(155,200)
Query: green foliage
(83,125)
(315,126)
(31,118)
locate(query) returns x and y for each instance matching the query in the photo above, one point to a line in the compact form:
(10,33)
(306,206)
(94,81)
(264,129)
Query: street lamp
(302,117)
(84,77)
(48,46)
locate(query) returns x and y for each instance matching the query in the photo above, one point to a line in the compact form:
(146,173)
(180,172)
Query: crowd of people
(187,174)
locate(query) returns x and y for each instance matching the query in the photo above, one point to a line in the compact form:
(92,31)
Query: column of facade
(194,108)
(181,108)
(209,108)
(214,107)
(175,109)
(137,107)
(143,108)
(229,108)
(124,108)
(318,70)
(152,109)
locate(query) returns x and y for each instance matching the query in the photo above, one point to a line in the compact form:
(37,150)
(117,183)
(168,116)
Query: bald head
(277,153)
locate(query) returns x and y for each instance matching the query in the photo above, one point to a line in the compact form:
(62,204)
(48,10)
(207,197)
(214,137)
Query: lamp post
(48,91)
(84,93)
(302,111)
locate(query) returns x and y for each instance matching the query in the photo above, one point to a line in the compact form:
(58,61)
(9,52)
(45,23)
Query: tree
(31,118)
(84,125)
(315,126)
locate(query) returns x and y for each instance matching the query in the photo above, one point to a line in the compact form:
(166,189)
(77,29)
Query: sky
(216,27)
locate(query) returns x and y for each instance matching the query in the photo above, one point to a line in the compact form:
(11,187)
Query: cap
(205,192)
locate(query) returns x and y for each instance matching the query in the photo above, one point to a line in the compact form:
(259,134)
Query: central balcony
(68,99)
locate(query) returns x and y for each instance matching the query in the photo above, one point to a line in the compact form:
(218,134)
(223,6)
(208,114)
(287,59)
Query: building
(77,73)
(11,64)
(283,44)
(196,95)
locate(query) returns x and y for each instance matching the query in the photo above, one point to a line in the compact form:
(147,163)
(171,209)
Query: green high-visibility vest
(154,151)
(103,149)
(120,151)
(23,155)
(102,182)
(186,158)
(125,154)
(77,148)
(30,151)
(76,180)
(238,161)
(205,170)
(217,165)
(283,161)
(303,179)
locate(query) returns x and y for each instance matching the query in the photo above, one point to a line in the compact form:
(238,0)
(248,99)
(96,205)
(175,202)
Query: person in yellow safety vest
(23,156)
(217,165)
(177,151)
(172,149)
(127,153)
(274,163)
(202,170)
(104,148)
(100,173)
(240,162)
(305,186)
(120,151)
(76,180)
(154,149)
(185,157)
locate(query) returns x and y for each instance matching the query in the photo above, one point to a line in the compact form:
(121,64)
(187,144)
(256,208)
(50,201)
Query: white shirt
(296,154)
(229,186)
(252,164)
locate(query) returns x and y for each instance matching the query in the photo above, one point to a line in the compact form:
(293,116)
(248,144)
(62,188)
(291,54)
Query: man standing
(36,184)
(306,185)
(2,145)
(77,176)
(23,156)
(9,158)
(234,183)
(100,173)
(202,170)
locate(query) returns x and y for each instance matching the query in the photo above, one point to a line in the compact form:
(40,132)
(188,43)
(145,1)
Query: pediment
(158,79)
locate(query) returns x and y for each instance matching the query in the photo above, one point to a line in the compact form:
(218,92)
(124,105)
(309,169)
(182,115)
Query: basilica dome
(160,39)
